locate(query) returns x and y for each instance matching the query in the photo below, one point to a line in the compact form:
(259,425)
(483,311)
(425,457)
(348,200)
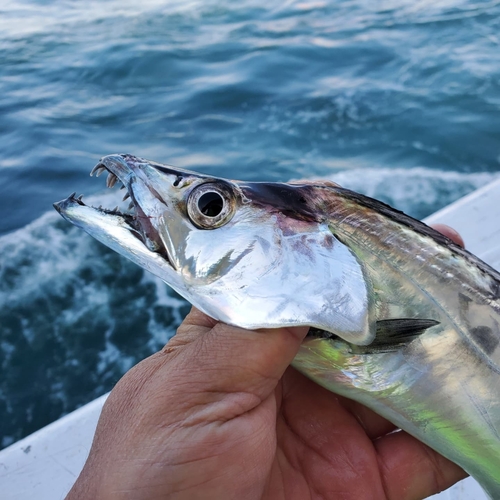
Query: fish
(401,318)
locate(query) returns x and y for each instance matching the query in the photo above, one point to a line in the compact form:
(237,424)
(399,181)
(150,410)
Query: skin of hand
(219,414)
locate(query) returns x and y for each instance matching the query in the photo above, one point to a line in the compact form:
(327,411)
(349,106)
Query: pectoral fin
(391,334)
(394,333)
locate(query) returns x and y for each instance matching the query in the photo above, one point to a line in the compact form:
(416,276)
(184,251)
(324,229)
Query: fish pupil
(211,204)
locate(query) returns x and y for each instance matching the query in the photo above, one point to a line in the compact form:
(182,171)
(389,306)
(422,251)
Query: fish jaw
(134,233)
(117,232)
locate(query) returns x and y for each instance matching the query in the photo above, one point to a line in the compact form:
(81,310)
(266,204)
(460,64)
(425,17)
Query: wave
(417,191)
(74,316)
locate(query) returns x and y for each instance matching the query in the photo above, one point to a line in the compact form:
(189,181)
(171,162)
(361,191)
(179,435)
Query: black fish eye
(211,205)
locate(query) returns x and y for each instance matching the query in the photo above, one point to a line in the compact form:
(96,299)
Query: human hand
(217,414)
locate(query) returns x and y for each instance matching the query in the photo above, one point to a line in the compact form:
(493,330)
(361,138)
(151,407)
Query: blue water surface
(397,99)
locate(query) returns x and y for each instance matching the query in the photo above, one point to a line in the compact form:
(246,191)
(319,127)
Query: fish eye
(210,205)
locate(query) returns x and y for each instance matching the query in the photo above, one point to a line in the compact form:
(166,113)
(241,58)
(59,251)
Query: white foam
(57,283)
(44,249)
(27,18)
(417,191)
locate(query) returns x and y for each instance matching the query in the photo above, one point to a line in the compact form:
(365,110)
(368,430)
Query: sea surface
(398,99)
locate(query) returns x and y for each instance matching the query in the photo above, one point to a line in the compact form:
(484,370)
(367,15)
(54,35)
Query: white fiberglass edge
(45,464)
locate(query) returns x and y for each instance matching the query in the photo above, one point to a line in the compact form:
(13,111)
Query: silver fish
(402,319)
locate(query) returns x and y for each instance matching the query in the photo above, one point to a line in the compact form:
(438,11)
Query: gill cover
(259,265)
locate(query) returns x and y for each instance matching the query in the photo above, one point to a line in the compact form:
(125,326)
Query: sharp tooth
(80,197)
(111,180)
(131,205)
(127,195)
(98,170)
(122,187)
(115,209)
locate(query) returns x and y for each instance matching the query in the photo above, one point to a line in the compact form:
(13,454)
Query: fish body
(403,320)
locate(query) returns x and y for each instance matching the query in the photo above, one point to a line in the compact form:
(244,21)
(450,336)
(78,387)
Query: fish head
(254,255)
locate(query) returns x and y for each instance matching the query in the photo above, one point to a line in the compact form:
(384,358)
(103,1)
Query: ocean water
(398,99)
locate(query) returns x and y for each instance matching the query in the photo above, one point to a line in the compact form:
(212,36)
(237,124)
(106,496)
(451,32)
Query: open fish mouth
(137,219)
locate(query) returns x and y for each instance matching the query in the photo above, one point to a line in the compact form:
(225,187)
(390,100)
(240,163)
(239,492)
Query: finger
(449,232)
(237,360)
(196,318)
(411,470)
(189,330)
(217,363)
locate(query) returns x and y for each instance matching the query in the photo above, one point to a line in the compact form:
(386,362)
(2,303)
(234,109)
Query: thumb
(213,359)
